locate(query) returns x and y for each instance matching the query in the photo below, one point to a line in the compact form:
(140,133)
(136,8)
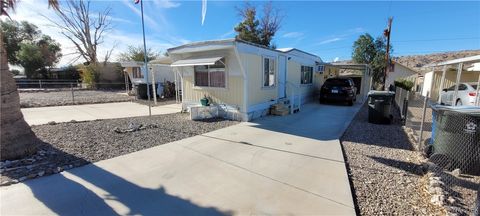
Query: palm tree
(16,137)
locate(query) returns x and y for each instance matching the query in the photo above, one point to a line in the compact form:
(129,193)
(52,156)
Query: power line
(438,39)
(401,41)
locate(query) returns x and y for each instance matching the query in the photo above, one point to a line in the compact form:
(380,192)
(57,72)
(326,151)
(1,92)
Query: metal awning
(196,61)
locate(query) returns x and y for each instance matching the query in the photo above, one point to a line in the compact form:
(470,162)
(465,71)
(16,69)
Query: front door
(282,76)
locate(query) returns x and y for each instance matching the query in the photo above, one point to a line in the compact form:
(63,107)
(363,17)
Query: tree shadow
(409,167)
(414,169)
(92,190)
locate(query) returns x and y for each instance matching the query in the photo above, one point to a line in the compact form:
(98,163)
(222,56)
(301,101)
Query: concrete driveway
(88,112)
(290,165)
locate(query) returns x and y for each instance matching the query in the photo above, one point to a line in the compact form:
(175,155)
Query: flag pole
(145,62)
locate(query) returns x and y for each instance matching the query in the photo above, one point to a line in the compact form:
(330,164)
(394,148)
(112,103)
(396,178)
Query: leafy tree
(15,33)
(31,59)
(35,57)
(135,53)
(248,29)
(258,31)
(366,50)
(50,50)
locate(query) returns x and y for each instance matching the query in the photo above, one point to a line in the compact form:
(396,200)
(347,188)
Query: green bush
(405,84)
(89,75)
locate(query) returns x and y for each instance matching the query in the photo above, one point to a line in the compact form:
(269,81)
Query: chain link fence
(450,141)
(40,93)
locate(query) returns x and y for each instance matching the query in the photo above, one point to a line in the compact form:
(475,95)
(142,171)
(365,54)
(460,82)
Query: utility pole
(386,33)
(145,59)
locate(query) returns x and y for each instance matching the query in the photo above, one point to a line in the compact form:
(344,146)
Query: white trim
(197,61)
(208,74)
(245,78)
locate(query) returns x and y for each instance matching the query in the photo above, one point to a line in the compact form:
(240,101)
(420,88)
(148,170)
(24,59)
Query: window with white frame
(210,75)
(306,75)
(268,72)
(136,72)
(320,68)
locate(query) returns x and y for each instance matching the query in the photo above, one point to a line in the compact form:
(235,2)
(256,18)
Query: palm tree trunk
(17,139)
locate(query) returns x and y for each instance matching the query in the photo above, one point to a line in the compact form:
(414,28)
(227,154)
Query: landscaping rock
(73,144)
(385,170)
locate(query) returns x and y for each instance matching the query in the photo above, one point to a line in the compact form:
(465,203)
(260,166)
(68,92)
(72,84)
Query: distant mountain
(417,62)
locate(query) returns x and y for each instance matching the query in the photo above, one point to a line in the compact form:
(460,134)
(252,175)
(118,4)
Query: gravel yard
(73,144)
(384,169)
(64,97)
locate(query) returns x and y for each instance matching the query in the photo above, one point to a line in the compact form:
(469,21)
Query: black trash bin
(380,106)
(457,138)
(142,91)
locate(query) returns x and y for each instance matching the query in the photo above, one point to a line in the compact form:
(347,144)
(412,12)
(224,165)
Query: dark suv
(338,89)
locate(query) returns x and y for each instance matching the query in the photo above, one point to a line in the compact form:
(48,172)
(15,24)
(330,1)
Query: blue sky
(325,28)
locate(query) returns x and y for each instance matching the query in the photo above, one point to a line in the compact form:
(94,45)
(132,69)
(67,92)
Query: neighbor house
(445,74)
(159,72)
(244,79)
(398,71)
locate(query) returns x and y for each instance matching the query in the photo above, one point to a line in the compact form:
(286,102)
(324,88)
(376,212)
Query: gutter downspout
(245,81)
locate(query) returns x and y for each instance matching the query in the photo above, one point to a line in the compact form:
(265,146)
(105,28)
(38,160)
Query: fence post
(73,95)
(423,118)
(40,83)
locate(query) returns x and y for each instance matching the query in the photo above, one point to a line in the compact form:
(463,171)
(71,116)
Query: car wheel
(458,103)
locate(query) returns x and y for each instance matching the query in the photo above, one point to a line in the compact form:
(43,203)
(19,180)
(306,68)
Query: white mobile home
(243,79)
(159,72)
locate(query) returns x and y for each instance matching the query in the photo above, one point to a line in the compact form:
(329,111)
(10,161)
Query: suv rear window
(337,82)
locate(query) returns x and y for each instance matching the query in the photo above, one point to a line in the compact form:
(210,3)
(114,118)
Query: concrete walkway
(290,165)
(88,112)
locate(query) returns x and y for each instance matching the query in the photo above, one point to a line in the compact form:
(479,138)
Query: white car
(467,94)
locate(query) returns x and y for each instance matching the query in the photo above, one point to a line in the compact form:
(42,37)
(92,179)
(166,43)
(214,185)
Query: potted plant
(205,101)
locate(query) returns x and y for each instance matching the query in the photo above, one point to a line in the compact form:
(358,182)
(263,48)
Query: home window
(320,68)
(210,75)
(137,73)
(306,75)
(268,72)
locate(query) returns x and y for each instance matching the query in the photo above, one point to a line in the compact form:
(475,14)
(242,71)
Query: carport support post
(154,88)
(457,82)
(440,88)
(477,102)
(423,120)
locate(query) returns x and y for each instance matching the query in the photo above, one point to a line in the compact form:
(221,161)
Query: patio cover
(196,61)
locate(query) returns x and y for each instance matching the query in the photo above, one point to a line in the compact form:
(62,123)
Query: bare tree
(86,30)
(270,23)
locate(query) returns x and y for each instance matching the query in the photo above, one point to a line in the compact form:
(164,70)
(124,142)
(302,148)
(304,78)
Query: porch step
(279,109)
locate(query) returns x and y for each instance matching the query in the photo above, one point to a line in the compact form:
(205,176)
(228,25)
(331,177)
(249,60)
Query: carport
(361,75)
(469,67)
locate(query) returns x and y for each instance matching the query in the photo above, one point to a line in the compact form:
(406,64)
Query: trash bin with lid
(456,142)
(379,106)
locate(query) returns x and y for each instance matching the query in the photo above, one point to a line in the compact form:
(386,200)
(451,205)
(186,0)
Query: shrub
(405,84)
(89,75)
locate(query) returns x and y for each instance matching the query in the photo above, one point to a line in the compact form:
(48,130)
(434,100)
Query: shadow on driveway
(91,190)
